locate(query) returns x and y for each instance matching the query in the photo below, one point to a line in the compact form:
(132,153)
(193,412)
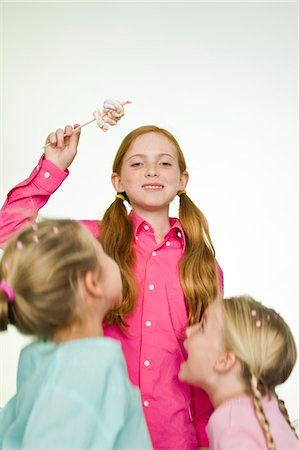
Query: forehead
(151,144)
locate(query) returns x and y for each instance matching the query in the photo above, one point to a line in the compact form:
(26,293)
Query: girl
(72,388)
(168,268)
(239,352)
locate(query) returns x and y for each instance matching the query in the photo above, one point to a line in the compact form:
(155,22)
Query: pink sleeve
(24,200)
(201,410)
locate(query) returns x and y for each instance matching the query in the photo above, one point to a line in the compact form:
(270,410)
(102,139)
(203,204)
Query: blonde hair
(263,342)
(198,268)
(44,264)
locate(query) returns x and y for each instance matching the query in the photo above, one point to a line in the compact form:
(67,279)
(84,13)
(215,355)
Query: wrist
(58,164)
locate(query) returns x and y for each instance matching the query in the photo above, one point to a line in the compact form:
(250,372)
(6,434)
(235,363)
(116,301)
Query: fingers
(75,136)
(61,138)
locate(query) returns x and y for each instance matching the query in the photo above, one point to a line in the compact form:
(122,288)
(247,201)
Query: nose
(151,171)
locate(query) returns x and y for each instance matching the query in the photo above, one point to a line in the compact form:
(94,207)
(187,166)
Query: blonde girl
(57,284)
(250,351)
(168,267)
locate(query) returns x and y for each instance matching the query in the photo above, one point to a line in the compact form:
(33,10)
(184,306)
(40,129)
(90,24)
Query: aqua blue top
(73,395)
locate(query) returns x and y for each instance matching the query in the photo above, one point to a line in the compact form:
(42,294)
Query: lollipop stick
(108,107)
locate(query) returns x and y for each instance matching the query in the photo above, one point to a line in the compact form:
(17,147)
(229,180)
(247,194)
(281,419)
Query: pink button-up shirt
(153,347)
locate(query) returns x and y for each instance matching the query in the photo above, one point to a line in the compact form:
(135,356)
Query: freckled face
(204,346)
(150,173)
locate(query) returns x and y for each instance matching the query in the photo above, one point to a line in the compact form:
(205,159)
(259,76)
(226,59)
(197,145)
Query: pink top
(176,414)
(234,425)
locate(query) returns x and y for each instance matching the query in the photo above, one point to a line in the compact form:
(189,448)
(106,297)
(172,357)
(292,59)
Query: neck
(159,220)
(226,389)
(85,328)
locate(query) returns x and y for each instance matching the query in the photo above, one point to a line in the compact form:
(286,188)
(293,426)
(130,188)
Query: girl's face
(204,347)
(150,173)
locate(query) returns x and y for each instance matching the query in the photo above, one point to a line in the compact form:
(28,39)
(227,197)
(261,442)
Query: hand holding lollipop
(61,146)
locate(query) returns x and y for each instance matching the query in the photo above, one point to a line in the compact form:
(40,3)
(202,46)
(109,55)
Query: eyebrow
(142,155)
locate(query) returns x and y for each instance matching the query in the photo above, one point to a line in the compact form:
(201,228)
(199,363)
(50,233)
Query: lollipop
(113,111)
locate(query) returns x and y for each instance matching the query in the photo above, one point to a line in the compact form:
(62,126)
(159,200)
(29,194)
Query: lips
(153,186)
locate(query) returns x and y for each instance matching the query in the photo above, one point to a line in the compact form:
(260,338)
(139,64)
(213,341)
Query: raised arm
(25,200)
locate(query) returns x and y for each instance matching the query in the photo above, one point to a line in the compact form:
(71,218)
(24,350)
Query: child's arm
(28,197)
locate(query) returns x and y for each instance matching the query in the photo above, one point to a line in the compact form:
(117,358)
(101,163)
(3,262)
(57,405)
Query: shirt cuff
(48,176)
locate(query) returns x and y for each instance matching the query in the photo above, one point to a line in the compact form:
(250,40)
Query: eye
(136,164)
(165,163)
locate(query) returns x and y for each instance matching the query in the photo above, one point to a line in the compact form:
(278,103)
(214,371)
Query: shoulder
(237,410)
(99,362)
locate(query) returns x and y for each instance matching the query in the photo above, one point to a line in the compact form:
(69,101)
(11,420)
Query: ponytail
(116,237)
(198,268)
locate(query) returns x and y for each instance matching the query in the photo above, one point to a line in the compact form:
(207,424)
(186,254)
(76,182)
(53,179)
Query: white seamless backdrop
(222,76)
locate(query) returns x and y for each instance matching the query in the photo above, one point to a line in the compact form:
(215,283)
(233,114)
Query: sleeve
(28,197)
(201,410)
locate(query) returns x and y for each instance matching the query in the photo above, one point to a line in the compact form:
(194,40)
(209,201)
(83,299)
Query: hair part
(45,273)
(198,267)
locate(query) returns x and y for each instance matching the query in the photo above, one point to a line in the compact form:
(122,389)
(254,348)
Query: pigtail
(285,413)
(256,394)
(198,268)
(116,238)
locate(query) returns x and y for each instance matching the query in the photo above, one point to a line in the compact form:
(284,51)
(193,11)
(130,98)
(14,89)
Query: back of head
(261,340)
(43,265)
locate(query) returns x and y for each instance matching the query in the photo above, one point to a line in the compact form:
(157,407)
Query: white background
(221,76)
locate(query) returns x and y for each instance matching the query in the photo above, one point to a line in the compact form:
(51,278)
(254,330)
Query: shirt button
(146,403)
(179,234)
(146,363)
(154,253)
(146,227)
(148,323)
(151,287)
(46,174)
(167,243)
(137,238)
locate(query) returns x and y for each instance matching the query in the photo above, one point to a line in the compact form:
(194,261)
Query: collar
(175,227)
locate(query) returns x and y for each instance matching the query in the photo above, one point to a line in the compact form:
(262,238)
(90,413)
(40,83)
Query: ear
(117,184)
(225,362)
(184,177)
(92,284)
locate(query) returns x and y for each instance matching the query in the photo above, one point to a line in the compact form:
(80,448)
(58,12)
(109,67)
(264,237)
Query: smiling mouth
(153,187)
